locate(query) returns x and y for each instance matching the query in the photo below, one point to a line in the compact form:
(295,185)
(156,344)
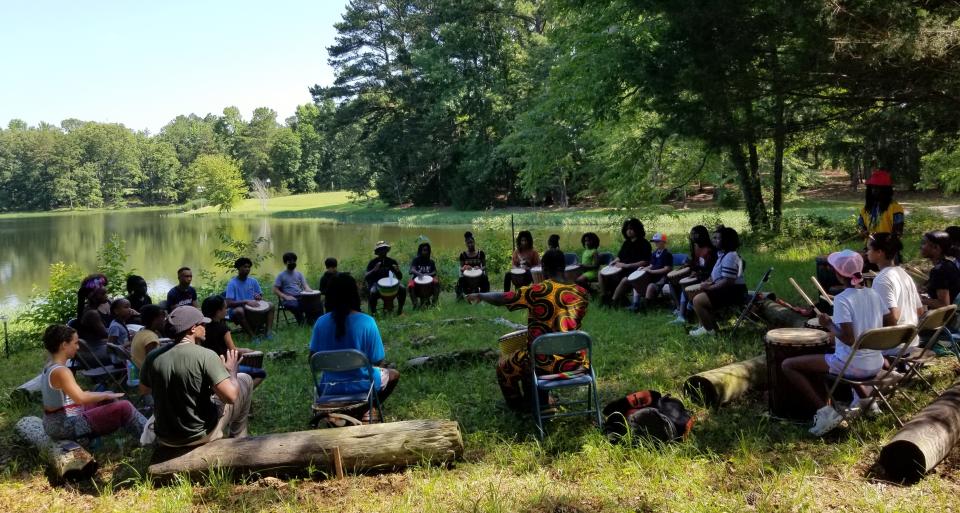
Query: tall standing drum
(311,304)
(423,287)
(257,314)
(388,288)
(676,274)
(520,277)
(472,279)
(783,343)
(512,342)
(610,277)
(572,272)
(536,272)
(252,359)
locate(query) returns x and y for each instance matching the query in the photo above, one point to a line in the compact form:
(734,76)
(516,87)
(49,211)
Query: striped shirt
(730,266)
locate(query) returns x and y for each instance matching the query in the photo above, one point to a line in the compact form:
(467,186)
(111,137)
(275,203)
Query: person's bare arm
(892,317)
(63,379)
(228,390)
(494,298)
(843,331)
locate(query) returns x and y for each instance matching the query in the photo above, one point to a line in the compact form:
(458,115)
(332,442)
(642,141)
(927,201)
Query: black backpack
(647,413)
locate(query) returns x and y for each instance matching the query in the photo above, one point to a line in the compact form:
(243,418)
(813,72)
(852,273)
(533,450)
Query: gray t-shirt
(290,282)
(181,378)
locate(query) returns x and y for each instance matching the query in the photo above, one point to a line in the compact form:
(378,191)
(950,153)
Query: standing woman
(944,283)
(880,213)
(472,259)
(524,257)
(69,411)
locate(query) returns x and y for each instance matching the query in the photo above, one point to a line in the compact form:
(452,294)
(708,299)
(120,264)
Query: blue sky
(141,63)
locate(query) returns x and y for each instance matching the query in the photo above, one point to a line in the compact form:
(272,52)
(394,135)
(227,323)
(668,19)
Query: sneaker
(679,321)
(825,420)
(872,412)
(701,332)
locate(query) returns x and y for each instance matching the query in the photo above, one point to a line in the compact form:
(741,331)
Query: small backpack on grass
(646,413)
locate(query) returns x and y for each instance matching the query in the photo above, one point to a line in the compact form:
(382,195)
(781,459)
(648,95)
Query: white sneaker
(825,420)
(701,332)
(679,321)
(872,412)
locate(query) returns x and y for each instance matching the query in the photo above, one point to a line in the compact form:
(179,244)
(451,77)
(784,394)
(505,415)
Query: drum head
(423,280)
(572,267)
(518,270)
(514,334)
(388,282)
(636,275)
(796,337)
(473,273)
(689,280)
(310,293)
(261,306)
(610,270)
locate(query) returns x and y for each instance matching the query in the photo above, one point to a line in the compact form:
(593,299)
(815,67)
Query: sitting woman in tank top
(69,411)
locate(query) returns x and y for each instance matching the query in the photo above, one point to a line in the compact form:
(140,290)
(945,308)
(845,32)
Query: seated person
(288,286)
(88,285)
(137,295)
(345,327)
(895,287)
(423,265)
(725,287)
(328,275)
(92,328)
(154,319)
(220,340)
(703,257)
(243,290)
(944,282)
(377,269)
(117,333)
(553,242)
(472,259)
(524,257)
(651,284)
(855,310)
(198,397)
(568,306)
(589,260)
(69,411)
(183,293)
(634,253)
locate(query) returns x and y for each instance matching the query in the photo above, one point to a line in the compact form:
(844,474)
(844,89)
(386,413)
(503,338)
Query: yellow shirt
(138,348)
(883,222)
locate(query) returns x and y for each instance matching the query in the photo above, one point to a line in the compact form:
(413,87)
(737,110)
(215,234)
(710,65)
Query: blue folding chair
(680,259)
(570,259)
(563,343)
(327,401)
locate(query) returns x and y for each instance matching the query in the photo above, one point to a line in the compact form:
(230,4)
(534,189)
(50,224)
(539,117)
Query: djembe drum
(520,277)
(536,272)
(572,272)
(610,277)
(472,280)
(252,359)
(512,342)
(311,304)
(423,287)
(388,288)
(814,324)
(783,343)
(257,314)
(677,274)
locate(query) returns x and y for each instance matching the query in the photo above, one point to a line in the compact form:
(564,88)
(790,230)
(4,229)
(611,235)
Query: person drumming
(423,266)
(553,242)
(218,338)
(634,253)
(880,213)
(552,306)
(524,257)
(328,274)
(855,310)
(243,290)
(71,412)
(117,332)
(380,267)
(198,396)
(895,287)
(288,286)
(472,259)
(345,327)
(183,293)
(726,285)
(589,260)
(87,286)
(944,282)
(703,256)
(649,286)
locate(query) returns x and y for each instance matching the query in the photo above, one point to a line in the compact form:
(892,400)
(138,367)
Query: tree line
(622,103)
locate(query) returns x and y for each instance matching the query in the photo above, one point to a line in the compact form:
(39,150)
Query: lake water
(158,243)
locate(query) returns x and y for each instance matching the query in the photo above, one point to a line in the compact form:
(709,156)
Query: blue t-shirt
(363,335)
(290,282)
(244,290)
(661,258)
(177,297)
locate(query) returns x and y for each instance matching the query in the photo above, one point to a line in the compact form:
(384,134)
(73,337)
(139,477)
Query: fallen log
(66,459)
(373,447)
(925,440)
(29,391)
(454,357)
(779,316)
(720,386)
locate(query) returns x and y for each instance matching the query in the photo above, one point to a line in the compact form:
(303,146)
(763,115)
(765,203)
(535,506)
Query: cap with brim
(659,237)
(848,264)
(185,317)
(880,178)
(381,244)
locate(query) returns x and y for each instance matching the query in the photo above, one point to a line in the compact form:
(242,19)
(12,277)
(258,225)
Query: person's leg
(238,316)
(622,288)
(436,291)
(414,300)
(484,283)
(293,306)
(507,281)
(372,300)
(800,372)
(256,374)
(401,299)
(107,418)
(510,374)
(234,419)
(461,287)
(653,290)
(271,315)
(702,306)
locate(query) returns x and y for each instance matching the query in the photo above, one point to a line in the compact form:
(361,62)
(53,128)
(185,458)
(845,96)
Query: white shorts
(836,366)
(384,376)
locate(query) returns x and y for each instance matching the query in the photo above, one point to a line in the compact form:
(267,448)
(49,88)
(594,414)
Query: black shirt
(325,281)
(944,275)
(479,260)
(388,265)
(138,302)
(635,251)
(424,266)
(216,340)
(179,297)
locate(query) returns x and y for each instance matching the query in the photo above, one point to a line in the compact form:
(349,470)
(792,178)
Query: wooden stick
(823,292)
(338,462)
(804,295)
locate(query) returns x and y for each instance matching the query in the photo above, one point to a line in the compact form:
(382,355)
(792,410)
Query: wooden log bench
(720,386)
(925,440)
(367,448)
(65,459)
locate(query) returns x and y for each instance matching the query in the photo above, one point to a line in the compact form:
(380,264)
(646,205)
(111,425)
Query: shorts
(732,295)
(835,365)
(384,376)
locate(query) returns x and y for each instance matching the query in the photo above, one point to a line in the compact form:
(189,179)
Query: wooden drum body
(257,315)
(473,278)
(252,359)
(423,287)
(610,277)
(512,342)
(536,272)
(783,343)
(311,304)
(676,275)
(388,288)
(520,277)
(572,272)
(814,324)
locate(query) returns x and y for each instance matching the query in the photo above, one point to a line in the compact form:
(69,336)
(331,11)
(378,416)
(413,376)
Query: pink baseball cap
(848,264)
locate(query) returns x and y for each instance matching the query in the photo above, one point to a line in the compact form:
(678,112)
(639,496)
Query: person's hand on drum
(258,297)
(825,320)
(251,302)
(230,360)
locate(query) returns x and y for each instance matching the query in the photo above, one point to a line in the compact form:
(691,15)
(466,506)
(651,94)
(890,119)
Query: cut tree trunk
(925,440)
(66,459)
(779,316)
(720,386)
(371,447)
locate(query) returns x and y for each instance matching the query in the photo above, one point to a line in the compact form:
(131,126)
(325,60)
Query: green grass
(292,203)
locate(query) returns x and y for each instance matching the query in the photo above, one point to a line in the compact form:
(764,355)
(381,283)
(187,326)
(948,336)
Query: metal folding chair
(884,382)
(282,311)
(570,259)
(328,401)
(915,358)
(754,296)
(563,343)
(604,259)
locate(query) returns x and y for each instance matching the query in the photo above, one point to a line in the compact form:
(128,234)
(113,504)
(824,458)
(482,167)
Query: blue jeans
(253,372)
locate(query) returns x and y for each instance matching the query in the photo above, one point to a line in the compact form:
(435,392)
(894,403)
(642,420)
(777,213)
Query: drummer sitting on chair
(649,286)
(379,268)
(855,310)
(472,259)
(243,290)
(220,340)
(725,287)
(289,284)
(524,257)
(552,306)
(634,253)
(423,266)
